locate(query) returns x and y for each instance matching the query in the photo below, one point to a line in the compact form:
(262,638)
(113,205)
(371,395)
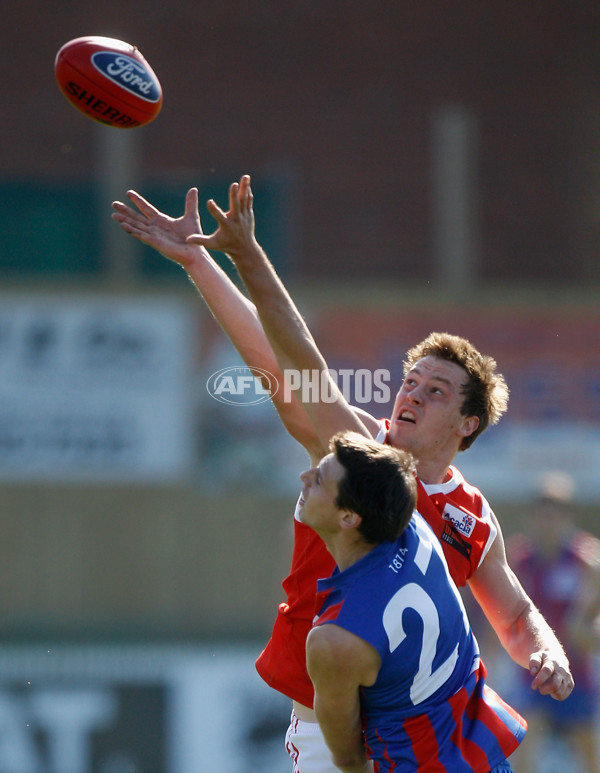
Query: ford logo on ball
(128,73)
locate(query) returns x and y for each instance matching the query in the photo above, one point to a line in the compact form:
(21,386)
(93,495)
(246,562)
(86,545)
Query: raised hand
(235,231)
(165,234)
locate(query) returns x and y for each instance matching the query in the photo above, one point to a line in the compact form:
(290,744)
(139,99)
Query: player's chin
(402,434)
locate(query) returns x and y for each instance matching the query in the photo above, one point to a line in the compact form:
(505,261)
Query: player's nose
(416,395)
(306,476)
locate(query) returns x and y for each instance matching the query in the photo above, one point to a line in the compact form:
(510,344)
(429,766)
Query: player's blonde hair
(485,393)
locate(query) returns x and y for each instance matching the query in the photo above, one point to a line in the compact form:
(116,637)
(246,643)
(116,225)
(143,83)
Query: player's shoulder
(459,492)
(338,660)
(333,647)
(462,487)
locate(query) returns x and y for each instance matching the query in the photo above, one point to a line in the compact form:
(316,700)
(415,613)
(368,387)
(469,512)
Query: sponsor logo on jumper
(451,537)
(127,73)
(464,523)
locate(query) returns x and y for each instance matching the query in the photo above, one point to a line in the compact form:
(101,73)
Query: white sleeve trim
(487,517)
(381,436)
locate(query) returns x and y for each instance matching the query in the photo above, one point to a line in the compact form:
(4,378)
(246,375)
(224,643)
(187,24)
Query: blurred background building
(416,166)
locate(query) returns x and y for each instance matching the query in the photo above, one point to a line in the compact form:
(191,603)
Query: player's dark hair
(379,485)
(485,393)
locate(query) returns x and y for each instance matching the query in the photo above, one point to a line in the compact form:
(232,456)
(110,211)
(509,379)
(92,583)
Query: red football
(109,81)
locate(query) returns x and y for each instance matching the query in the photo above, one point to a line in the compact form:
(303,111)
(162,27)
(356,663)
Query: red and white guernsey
(460,517)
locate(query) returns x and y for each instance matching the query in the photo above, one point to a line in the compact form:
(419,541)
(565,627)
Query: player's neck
(434,471)
(347,552)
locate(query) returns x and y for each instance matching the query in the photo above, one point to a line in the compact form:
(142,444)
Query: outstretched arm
(521,628)
(290,338)
(235,313)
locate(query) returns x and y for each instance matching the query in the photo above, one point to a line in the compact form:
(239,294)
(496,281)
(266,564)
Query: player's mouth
(407,416)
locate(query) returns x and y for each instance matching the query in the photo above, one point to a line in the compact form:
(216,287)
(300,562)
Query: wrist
(246,253)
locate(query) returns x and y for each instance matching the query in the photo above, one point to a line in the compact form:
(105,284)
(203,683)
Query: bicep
(339,663)
(239,319)
(297,422)
(497,589)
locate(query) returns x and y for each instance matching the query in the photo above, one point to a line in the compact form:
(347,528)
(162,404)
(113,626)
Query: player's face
(317,502)
(426,419)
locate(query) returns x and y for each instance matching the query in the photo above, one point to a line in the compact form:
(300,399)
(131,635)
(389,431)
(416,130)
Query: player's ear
(468,425)
(350,520)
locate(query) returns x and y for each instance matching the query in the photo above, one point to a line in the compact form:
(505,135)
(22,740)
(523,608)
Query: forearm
(282,323)
(290,340)
(235,237)
(239,319)
(519,625)
(531,633)
(296,351)
(349,758)
(234,312)
(344,740)
(230,307)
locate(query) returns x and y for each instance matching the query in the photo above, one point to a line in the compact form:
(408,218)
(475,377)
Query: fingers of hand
(131,219)
(543,678)
(127,218)
(245,192)
(191,202)
(216,211)
(122,209)
(535,663)
(550,678)
(202,239)
(234,203)
(542,668)
(144,206)
(561,685)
